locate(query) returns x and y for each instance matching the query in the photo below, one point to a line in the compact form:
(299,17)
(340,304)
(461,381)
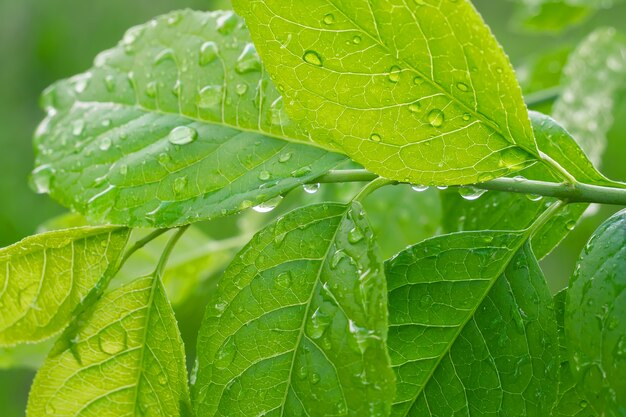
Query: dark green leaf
(417,91)
(471,331)
(45,277)
(170,127)
(510,211)
(299,322)
(594,318)
(571,401)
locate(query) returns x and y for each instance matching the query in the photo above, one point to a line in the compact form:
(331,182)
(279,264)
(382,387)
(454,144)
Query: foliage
(195,117)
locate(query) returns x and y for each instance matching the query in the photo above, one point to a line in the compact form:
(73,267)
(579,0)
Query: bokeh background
(44,40)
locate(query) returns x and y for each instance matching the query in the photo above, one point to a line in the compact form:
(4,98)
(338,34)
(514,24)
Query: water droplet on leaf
(182,135)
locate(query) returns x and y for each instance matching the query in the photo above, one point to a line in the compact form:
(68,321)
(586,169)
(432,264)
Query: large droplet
(375,137)
(226,354)
(180,184)
(311,188)
(329,19)
(362,336)
(284,157)
(312,58)
(105,144)
(41,178)
(415,107)
(394,74)
(318,323)
(112,344)
(182,135)
(241,89)
(227,23)
(164,56)
(268,205)
(208,53)
(210,97)
(419,188)
(248,61)
(355,235)
(283,280)
(471,193)
(278,114)
(436,118)
(264,175)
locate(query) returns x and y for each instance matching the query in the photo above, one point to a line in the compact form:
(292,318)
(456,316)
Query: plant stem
(167,251)
(571,193)
(544,96)
(371,187)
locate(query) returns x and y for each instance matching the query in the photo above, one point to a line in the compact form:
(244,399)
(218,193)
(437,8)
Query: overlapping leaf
(594,318)
(44,278)
(471,330)
(127,359)
(593,74)
(416,91)
(171,127)
(299,323)
(510,211)
(571,401)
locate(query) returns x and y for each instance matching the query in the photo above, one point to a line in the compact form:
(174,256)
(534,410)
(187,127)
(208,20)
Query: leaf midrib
(521,241)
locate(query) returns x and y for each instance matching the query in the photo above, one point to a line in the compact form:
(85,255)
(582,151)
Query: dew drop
(278,114)
(394,74)
(337,257)
(283,280)
(123,169)
(466,116)
(210,97)
(182,135)
(151,89)
(208,53)
(462,86)
(312,58)
(284,157)
(471,193)
(180,184)
(164,158)
(41,179)
(162,379)
(355,235)
(375,137)
(78,128)
(303,373)
(226,354)
(248,61)
(318,323)
(436,118)
(419,188)
(315,378)
(226,23)
(50,409)
(329,19)
(268,205)
(571,225)
(533,197)
(164,56)
(415,107)
(112,345)
(105,144)
(109,83)
(442,187)
(583,403)
(301,172)
(311,188)
(264,175)
(241,89)
(356,40)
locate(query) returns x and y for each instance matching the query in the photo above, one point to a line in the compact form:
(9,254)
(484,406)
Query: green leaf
(596,70)
(126,359)
(171,127)
(194,258)
(24,356)
(510,211)
(45,277)
(471,331)
(298,324)
(571,401)
(594,318)
(401,217)
(416,91)
(551,15)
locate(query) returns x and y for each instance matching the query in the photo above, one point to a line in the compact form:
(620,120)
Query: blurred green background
(44,40)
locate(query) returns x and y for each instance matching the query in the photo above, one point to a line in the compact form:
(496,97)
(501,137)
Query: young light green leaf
(127,360)
(471,331)
(416,91)
(594,318)
(571,401)
(43,278)
(24,356)
(299,323)
(510,211)
(594,73)
(170,127)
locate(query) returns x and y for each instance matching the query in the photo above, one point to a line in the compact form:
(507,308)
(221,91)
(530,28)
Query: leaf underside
(171,127)
(43,278)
